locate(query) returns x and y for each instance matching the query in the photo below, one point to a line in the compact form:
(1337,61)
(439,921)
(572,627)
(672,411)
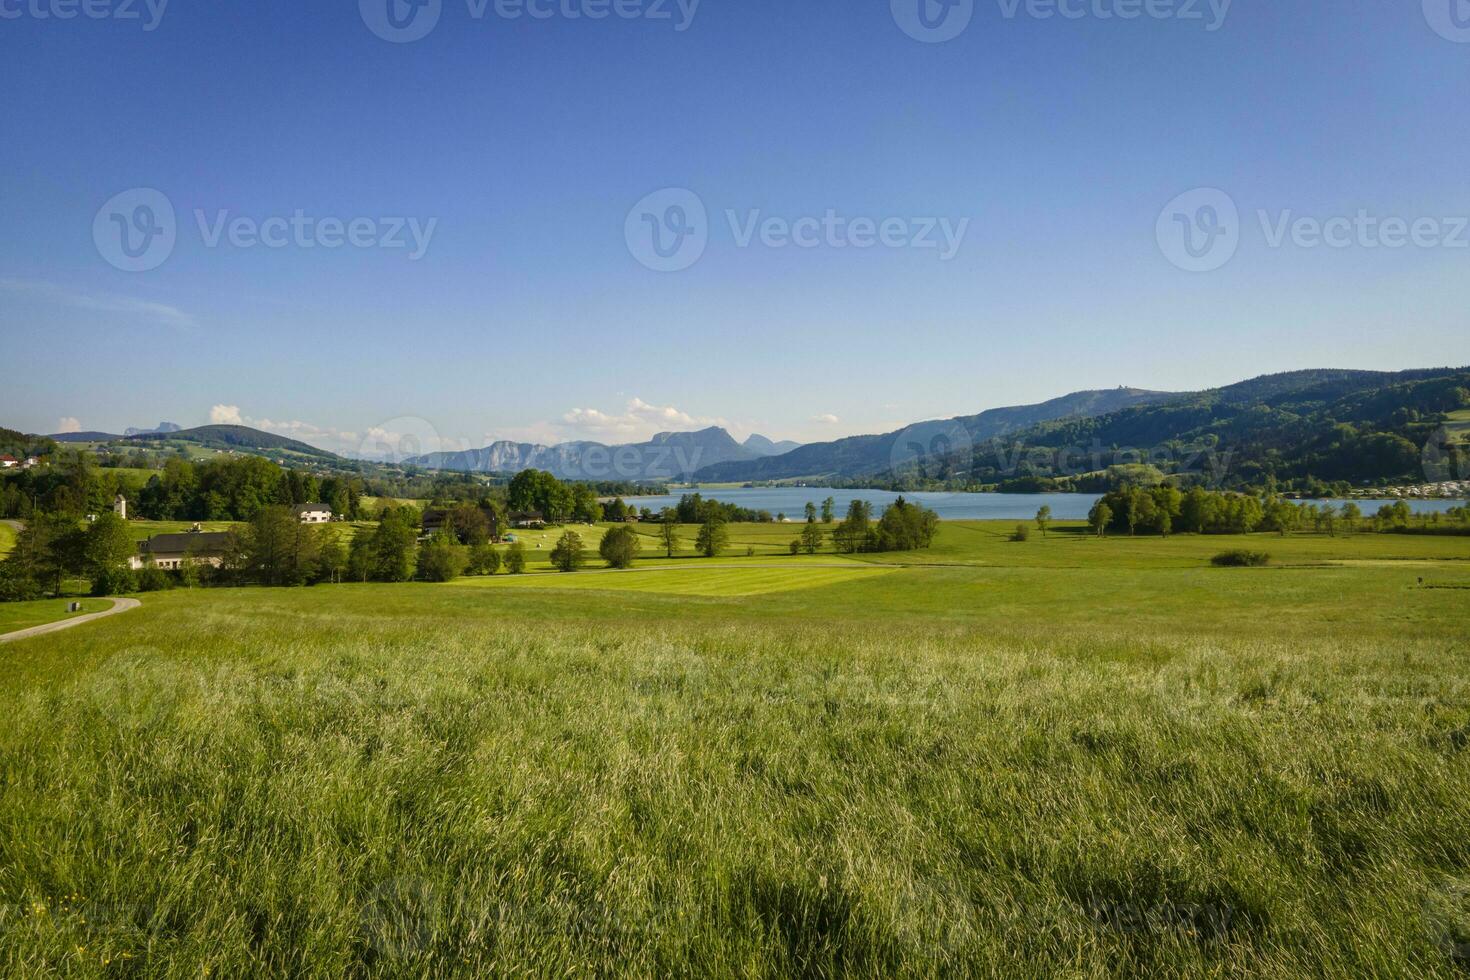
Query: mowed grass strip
(693,580)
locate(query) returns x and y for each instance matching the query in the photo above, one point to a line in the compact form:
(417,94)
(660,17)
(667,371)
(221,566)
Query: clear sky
(521,147)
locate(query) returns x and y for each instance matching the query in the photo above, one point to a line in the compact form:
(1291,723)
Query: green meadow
(1068,756)
(24,615)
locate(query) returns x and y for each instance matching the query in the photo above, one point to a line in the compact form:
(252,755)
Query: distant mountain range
(762,446)
(667,456)
(129,433)
(160,428)
(1326,425)
(859,456)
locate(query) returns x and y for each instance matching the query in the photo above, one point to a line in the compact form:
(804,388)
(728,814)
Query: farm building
(170,551)
(313,513)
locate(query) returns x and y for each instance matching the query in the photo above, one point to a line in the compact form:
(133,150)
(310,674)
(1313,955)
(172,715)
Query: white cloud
(827,419)
(111,303)
(69,424)
(340,441)
(639,420)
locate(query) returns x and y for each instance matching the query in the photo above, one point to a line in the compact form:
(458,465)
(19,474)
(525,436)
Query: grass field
(7,539)
(705,579)
(24,615)
(1063,757)
(134,478)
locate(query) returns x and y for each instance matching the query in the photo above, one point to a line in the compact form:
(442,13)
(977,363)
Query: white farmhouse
(313,513)
(171,551)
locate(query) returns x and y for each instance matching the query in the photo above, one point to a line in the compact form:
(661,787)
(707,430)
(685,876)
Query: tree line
(1165,509)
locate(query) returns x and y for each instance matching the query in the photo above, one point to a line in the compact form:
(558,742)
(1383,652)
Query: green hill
(1298,429)
(860,456)
(239,437)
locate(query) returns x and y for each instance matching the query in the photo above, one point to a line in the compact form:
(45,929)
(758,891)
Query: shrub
(114,581)
(796,547)
(620,546)
(17,584)
(442,559)
(1023,533)
(567,555)
(1241,558)
(515,558)
(484,559)
(154,579)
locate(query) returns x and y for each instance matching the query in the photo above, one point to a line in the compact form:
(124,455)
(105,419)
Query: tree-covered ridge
(1297,431)
(856,459)
(237,437)
(20,445)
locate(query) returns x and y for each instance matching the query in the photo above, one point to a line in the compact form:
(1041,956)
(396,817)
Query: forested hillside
(1296,430)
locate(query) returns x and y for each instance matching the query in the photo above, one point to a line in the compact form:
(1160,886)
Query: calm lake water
(792,502)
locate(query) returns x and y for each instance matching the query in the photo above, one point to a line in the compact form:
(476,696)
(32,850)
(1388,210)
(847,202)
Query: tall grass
(276,793)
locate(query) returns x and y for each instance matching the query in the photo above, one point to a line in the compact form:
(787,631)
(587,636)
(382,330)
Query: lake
(792,502)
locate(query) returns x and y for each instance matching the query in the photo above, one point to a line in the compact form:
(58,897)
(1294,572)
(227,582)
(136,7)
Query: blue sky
(522,144)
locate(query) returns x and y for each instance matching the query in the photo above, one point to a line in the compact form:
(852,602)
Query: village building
(170,551)
(6,462)
(436,519)
(527,519)
(313,513)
